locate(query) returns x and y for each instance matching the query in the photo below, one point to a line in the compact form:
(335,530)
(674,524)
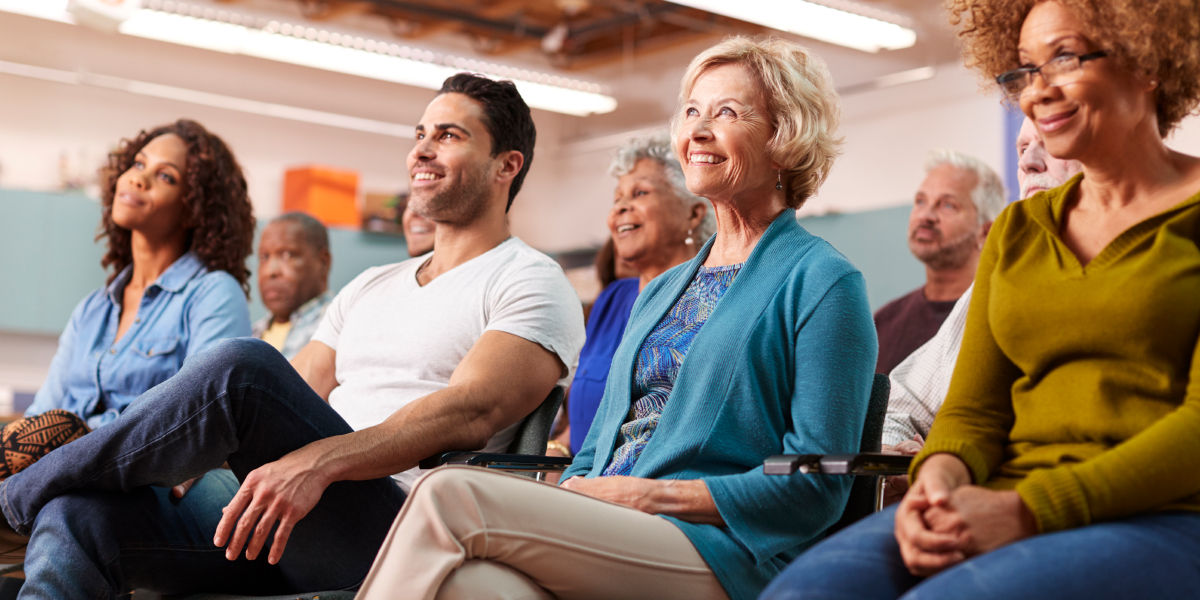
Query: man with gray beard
(951,214)
(920,382)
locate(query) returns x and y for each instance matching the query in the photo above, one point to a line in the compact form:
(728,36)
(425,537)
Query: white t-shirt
(397,341)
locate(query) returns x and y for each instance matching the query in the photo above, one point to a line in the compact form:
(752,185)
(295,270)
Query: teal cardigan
(783,365)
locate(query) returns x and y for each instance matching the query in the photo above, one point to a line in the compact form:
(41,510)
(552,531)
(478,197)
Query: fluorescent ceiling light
(355,55)
(218,29)
(850,24)
(234,103)
(51,10)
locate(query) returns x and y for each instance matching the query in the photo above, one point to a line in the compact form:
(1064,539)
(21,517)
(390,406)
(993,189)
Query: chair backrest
(534,431)
(862,492)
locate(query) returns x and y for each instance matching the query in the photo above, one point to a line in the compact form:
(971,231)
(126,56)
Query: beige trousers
(470,533)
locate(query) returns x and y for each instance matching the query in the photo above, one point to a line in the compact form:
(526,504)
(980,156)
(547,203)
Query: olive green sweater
(1079,386)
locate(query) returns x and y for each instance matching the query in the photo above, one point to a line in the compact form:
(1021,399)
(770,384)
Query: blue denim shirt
(96,376)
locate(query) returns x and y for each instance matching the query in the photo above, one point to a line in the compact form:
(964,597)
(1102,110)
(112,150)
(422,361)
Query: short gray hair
(656,146)
(988,195)
(313,231)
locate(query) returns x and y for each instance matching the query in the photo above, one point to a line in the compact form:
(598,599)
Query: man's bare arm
(315,363)
(500,380)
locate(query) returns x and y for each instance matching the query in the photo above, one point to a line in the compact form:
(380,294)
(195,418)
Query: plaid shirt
(304,323)
(920,381)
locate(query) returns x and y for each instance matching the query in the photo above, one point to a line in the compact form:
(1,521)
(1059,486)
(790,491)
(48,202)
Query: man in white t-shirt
(442,352)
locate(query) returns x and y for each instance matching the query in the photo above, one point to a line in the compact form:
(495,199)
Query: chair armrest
(491,460)
(865,463)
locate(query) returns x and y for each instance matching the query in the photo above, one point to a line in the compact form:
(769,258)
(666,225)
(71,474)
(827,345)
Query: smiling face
(647,221)
(1087,115)
(722,135)
(418,232)
(149,195)
(290,270)
(943,227)
(1037,170)
(450,167)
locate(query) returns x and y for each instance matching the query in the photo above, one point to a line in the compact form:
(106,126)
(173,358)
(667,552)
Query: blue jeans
(102,521)
(1154,555)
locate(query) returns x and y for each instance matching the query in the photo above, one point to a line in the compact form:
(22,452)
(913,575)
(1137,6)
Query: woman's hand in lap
(687,499)
(987,519)
(927,549)
(634,492)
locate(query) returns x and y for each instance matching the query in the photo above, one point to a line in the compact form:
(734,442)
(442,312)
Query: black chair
(527,452)
(866,492)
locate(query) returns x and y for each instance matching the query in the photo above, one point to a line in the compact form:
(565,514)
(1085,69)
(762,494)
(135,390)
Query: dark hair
(505,115)
(314,232)
(606,263)
(216,205)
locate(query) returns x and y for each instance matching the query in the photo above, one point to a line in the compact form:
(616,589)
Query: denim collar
(172,280)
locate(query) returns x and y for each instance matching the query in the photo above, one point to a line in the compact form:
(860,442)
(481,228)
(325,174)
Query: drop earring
(689,241)
(779,180)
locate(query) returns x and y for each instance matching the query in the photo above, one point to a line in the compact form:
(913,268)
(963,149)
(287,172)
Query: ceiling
(571,34)
(579,35)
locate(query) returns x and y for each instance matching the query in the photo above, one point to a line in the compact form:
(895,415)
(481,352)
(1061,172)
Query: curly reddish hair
(1160,40)
(221,231)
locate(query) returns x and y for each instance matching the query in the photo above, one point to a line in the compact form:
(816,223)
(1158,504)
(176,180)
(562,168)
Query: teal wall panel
(876,242)
(49,261)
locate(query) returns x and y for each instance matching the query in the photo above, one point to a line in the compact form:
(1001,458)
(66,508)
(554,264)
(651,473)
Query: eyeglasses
(1056,71)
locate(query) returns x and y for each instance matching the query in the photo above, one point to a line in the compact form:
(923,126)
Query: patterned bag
(24,441)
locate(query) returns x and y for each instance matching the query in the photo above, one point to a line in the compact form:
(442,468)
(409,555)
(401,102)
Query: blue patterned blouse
(661,356)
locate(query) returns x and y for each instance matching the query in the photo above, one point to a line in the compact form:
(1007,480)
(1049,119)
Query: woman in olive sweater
(1064,461)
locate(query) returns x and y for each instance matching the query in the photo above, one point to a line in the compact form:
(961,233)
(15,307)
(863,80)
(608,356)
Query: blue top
(96,376)
(783,365)
(605,325)
(659,359)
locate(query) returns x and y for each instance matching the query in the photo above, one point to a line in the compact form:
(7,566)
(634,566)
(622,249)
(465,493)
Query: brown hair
(216,202)
(1160,40)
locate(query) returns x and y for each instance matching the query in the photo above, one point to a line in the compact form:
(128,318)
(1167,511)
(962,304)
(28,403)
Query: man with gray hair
(919,384)
(951,214)
(293,280)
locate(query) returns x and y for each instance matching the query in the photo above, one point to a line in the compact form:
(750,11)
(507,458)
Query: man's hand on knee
(281,492)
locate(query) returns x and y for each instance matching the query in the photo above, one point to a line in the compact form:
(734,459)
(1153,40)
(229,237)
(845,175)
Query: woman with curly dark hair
(1063,462)
(178,224)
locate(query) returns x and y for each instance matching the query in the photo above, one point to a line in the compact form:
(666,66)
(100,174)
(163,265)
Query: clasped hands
(944,520)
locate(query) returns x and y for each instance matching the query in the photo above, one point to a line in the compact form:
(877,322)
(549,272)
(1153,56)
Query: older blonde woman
(656,223)
(667,498)
(1063,462)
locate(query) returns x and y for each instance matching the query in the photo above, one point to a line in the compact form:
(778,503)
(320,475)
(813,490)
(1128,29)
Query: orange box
(327,193)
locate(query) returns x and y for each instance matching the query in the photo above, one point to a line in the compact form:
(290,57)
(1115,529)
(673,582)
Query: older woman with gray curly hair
(762,344)
(655,223)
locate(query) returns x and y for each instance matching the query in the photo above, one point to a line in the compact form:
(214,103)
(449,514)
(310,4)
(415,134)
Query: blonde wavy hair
(1159,40)
(801,102)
